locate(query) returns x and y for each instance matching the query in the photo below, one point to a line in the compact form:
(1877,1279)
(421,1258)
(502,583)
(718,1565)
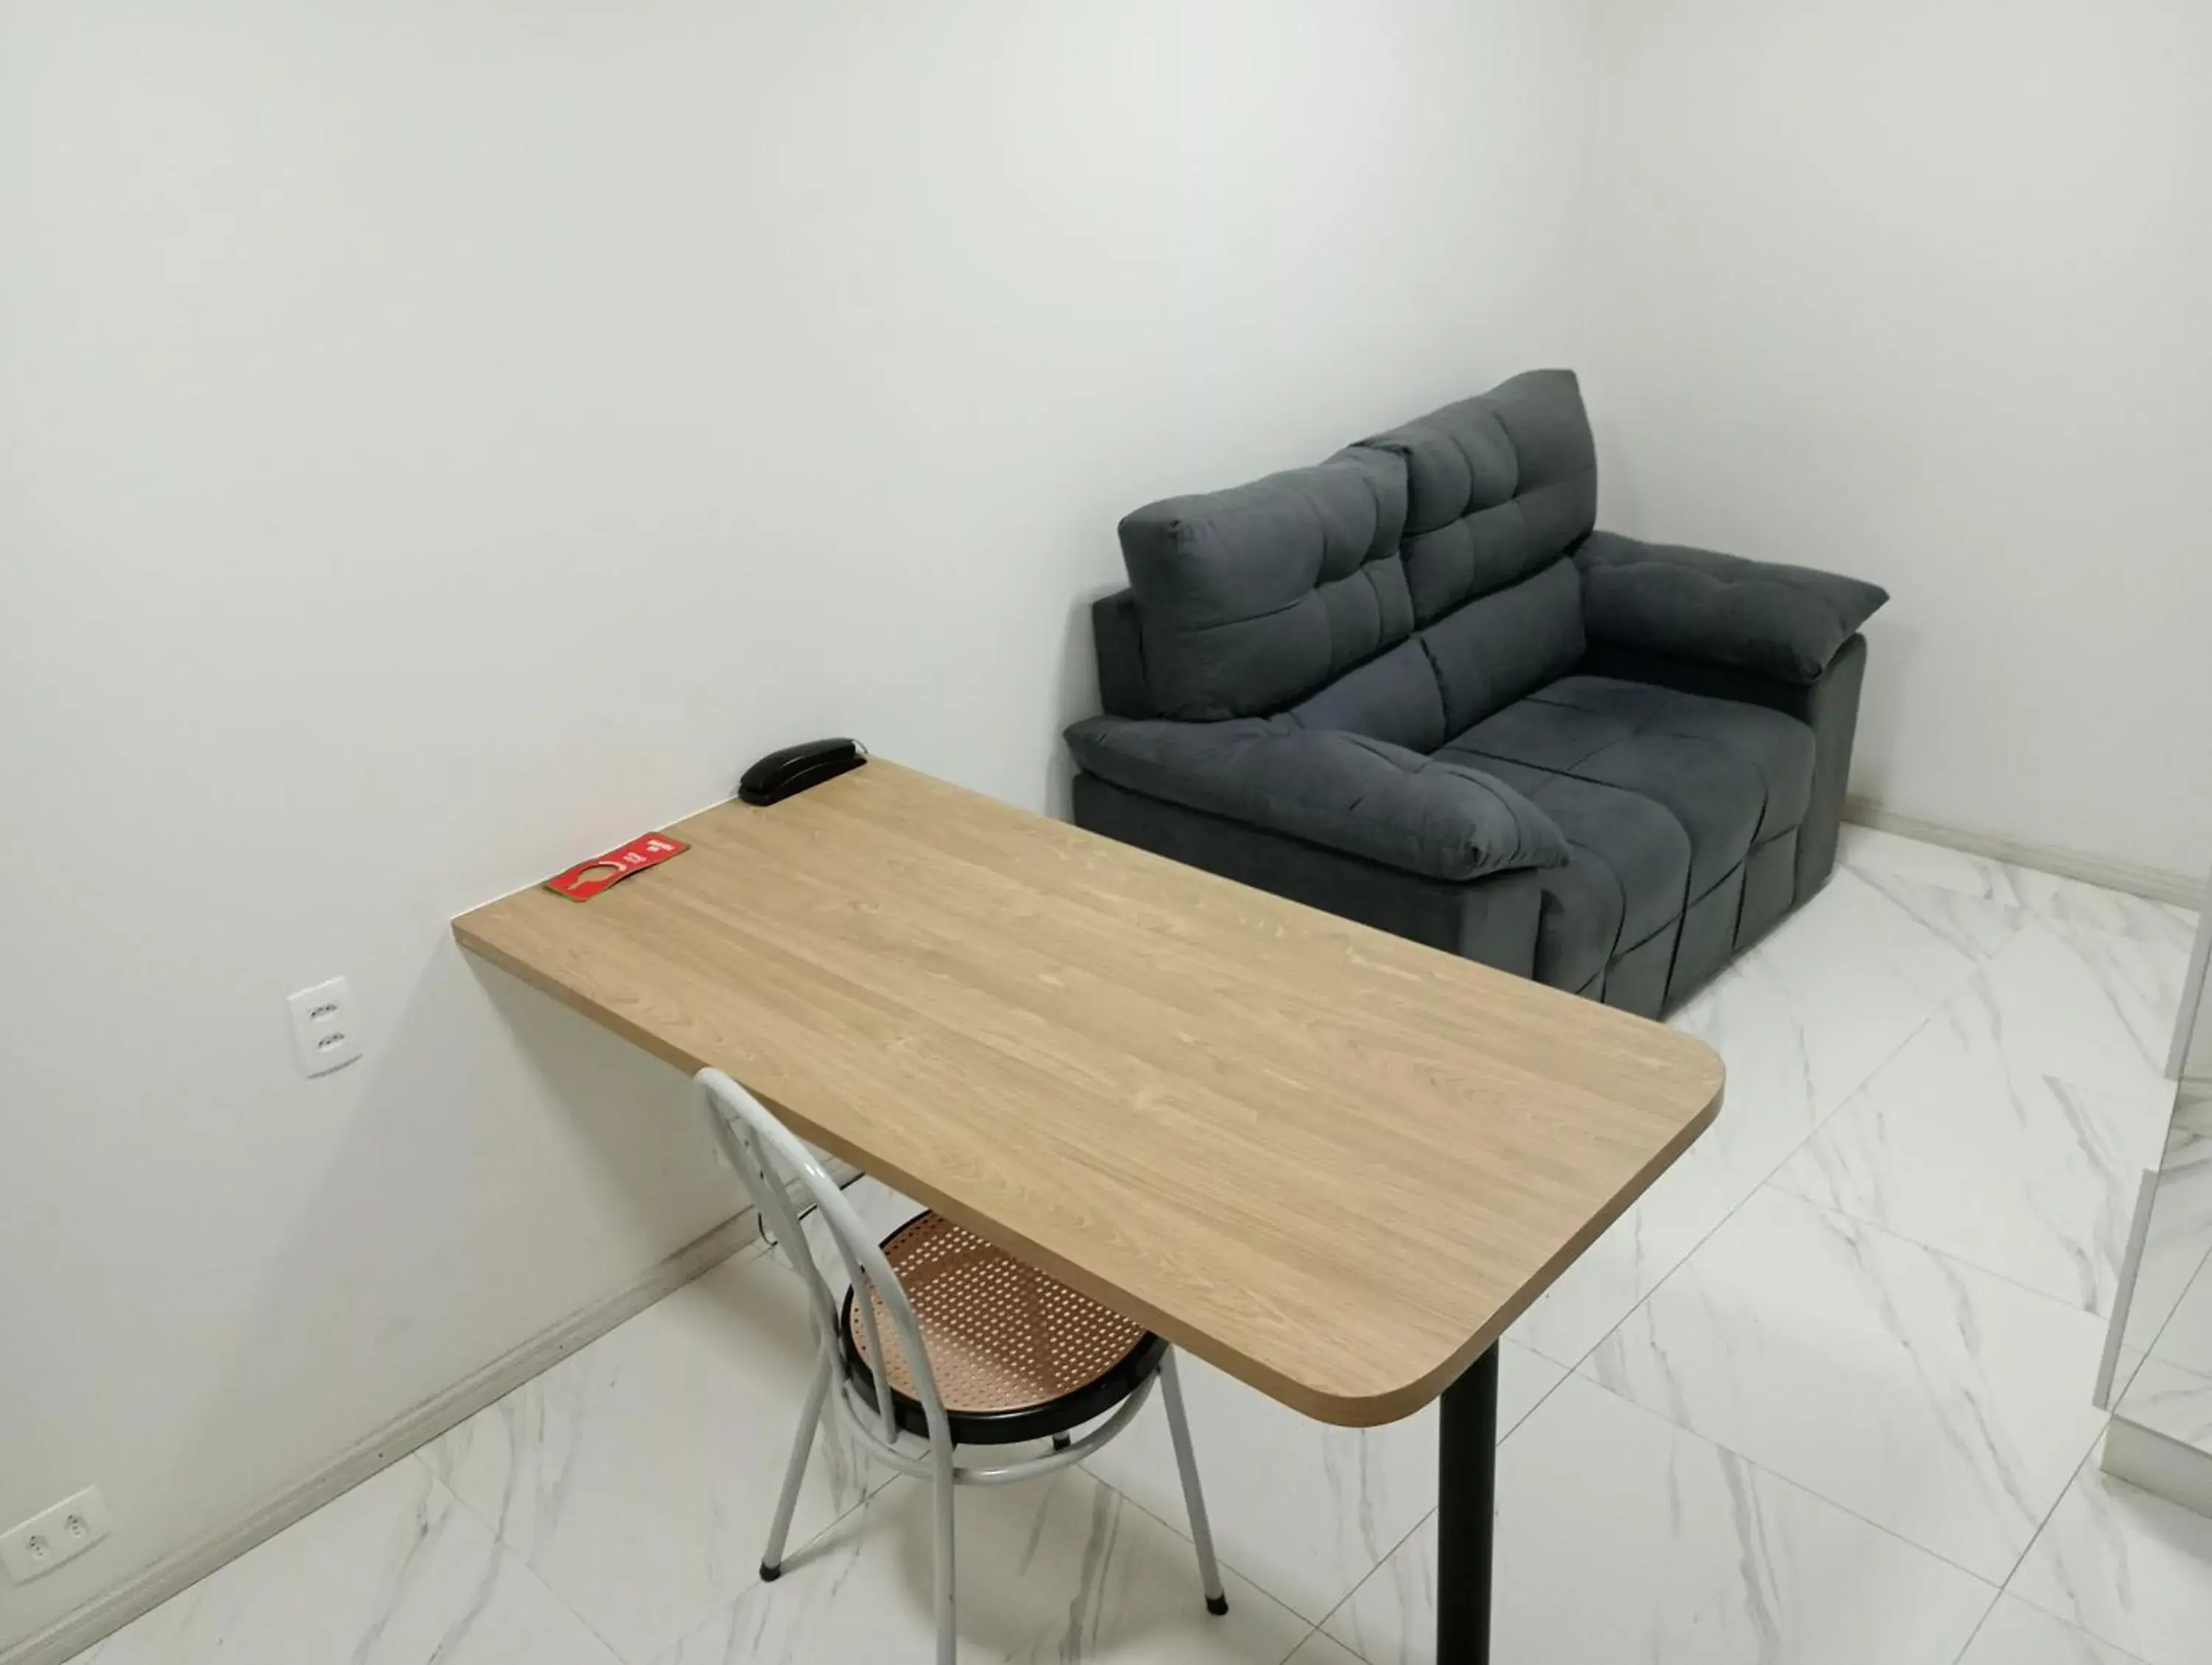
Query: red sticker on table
(587,878)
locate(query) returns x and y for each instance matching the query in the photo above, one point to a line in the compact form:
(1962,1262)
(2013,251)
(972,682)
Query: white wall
(438,441)
(1917,288)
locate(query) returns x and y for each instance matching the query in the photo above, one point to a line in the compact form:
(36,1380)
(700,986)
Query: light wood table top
(1332,1161)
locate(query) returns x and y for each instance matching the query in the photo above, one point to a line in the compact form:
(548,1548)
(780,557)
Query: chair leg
(771,1567)
(948,1626)
(1201,1533)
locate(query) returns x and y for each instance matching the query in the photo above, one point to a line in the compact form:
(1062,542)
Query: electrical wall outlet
(323,1030)
(54,1535)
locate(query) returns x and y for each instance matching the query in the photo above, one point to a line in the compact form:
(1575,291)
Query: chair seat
(1016,1355)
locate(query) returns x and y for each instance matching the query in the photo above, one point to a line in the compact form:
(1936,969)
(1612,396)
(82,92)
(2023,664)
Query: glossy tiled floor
(1820,1399)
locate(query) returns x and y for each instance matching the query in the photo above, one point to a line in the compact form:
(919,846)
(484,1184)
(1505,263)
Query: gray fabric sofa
(1413,685)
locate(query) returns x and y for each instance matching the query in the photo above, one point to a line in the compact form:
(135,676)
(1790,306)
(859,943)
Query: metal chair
(977,1349)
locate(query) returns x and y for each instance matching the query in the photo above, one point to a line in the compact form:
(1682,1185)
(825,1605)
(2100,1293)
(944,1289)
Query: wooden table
(1335,1164)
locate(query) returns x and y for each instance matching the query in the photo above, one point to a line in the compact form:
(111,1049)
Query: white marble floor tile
(2132,1570)
(1871,852)
(1952,1145)
(1628,1261)
(2179,1240)
(2089,1006)
(1977,927)
(2170,1400)
(1525,1380)
(2015,1633)
(395,1572)
(1303,1509)
(637,1477)
(1063,1570)
(2071,902)
(1935,1399)
(1810,1013)
(2168,1270)
(2186,1340)
(1622,1537)
(2123,1371)
(1322,1650)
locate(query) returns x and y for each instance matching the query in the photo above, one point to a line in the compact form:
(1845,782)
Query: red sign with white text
(587,878)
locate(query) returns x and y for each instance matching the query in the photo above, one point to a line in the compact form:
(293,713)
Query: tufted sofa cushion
(1404,589)
(1617,901)
(1498,489)
(1732,775)
(1247,598)
(1667,799)
(1435,817)
(1783,622)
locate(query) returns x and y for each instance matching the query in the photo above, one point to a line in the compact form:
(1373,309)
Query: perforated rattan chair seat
(1005,1341)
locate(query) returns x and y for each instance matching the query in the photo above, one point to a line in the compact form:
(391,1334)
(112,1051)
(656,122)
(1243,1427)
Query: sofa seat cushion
(1731,775)
(1627,871)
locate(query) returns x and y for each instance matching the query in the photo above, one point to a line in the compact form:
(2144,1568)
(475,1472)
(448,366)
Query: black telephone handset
(778,775)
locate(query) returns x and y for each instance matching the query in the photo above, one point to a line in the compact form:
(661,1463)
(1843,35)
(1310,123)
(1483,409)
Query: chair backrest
(769,1159)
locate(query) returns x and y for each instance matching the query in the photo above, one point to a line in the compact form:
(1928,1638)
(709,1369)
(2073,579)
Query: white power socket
(54,1535)
(324,1031)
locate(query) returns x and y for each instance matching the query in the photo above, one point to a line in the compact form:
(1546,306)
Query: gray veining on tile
(1063,1570)
(1630,1258)
(1621,1537)
(1804,1018)
(2074,902)
(1943,1403)
(1976,927)
(1871,852)
(2179,1240)
(2088,1006)
(2170,1400)
(2015,1633)
(2186,1338)
(1321,1650)
(2132,1570)
(1303,1509)
(636,1477)
(394,1572)
(1955,1146)
(1875,854)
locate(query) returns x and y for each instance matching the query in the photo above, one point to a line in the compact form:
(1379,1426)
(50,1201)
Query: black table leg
(1467,1474)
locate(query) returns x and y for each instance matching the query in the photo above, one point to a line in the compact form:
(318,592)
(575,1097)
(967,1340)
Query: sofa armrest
(1781,622)
(1344,791)
(1492,918)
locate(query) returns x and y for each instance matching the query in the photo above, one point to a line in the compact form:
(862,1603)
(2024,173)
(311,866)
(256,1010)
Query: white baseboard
(112,1609)
(2186,889)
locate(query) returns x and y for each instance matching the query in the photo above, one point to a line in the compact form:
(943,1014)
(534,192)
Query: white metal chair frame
(767,1155)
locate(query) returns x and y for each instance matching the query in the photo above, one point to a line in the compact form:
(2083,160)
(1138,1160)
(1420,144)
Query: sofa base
(1496,919)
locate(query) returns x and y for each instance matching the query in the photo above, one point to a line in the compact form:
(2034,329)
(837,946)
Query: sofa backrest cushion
(1503,645)
(1404,589)
(1247,598)
(1500,488)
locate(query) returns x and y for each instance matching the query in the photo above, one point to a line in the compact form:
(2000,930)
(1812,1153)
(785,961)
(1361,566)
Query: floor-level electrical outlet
(54,1535)
(324,1031)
